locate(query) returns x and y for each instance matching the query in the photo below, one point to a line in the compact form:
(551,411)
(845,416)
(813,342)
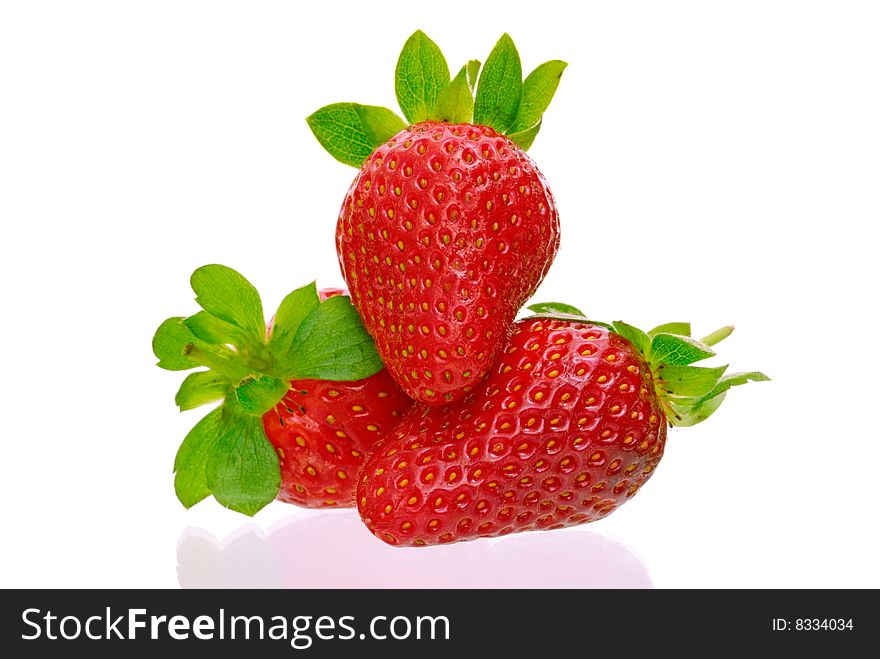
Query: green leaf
(684,417)
(421,74)
(634,335)
(242,470)
(526,138)
(473,70)
(379,124)
(537,92)
(500,87)
(170,343)
(455,102)
(733,380)
(213,330)
(688,411)
(225,294)
(677,349)
(684,329)
(200,388)
(190,476)
(293,309)
(331,344)
(350,131)
(556,308)
(257,394)
(689,380)
(562,311)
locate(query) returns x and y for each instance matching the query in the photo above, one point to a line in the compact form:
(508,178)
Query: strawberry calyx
(249,370)
(493,95)
(688,394)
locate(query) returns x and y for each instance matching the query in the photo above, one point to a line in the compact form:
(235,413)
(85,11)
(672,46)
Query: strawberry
(301,403)
(449,227)
(570,423)
(323,432)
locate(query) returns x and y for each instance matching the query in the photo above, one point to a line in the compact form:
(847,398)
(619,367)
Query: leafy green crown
(249,369)
(689,394)
(426,92)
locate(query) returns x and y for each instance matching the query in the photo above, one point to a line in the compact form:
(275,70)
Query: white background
(713,162)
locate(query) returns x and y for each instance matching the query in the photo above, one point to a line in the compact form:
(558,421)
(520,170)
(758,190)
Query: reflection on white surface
(335,550)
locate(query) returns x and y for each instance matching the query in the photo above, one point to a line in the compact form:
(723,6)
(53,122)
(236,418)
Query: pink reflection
(336,551)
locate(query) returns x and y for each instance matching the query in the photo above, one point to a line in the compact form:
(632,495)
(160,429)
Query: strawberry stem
(718,335)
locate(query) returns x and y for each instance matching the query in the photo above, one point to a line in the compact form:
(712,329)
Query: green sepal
(684,416)
(170,345)
(634,335)
(537,92)
(690,411)
(499,90)
(331,344)
(228,455)
(309,339)
(257,394)
(201,388)
(228,296)
(688,380)
(242,469)
(556,308)
(678,349)
(291,312)
(455,102)
(420,76)
(691,394)
(351,131)
(493,95)
(684,329)
(562,311)
(190,463)
(473,72)
(726,382)
(526,138)
(211,329)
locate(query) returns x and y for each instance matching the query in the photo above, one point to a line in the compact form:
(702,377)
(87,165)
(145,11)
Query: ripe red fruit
(323,432)
(449,227)
(570,424)
(445,233)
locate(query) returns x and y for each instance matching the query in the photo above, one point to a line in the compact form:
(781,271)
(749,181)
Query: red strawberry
(449,227)
(445,234)
(323,432)
(301,403)
(570,424)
